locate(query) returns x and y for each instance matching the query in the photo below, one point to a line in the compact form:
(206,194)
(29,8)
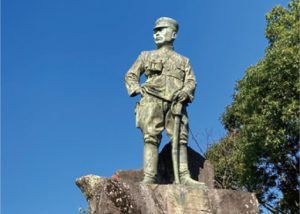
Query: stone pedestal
(114,196)
(123,193)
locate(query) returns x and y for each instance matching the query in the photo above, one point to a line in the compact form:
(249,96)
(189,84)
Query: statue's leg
(150,163)
(151,122)
(184,173)
(184,127)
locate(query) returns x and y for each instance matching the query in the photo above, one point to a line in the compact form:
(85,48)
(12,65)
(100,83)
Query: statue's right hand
(140,90)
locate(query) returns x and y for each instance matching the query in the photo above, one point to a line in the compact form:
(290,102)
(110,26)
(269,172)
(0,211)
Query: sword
(176,110)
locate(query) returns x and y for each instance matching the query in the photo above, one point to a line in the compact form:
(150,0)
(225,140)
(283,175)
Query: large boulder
(123,193)
(112,196)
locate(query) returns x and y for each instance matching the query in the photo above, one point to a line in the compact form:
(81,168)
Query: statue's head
(165,31)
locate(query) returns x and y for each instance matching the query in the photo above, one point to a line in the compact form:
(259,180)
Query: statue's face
(164,35)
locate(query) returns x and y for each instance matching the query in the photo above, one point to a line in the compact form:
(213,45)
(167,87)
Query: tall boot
(184,173)
(150,163)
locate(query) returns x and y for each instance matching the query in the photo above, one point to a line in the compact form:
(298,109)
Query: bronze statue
(169,87)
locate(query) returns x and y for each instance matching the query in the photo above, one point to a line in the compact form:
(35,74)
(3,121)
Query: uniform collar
(166,48)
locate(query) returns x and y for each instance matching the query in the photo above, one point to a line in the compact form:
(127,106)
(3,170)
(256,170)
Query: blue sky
(65,109)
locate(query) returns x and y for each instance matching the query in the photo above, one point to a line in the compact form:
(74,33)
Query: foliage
(261,147)
(223,155)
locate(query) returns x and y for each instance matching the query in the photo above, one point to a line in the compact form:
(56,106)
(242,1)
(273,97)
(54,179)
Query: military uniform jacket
(166,71)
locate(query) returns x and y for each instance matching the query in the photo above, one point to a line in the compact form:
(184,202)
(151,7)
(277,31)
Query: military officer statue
(169,80)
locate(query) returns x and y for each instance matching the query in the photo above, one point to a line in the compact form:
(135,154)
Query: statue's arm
(189,81)
(132,78)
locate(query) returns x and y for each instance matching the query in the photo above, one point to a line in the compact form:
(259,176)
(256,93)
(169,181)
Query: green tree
(262,144)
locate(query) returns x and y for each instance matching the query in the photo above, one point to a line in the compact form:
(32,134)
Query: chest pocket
(176,71)
(153,67)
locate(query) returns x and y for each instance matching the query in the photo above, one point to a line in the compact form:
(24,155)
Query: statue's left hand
(180,96)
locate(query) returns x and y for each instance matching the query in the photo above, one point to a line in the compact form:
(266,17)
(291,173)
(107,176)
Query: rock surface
(113,196)
(123,193)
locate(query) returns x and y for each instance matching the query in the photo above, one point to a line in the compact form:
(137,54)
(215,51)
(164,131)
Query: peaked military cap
(166,22)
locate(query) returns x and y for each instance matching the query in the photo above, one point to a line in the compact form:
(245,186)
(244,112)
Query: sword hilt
(176,108)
